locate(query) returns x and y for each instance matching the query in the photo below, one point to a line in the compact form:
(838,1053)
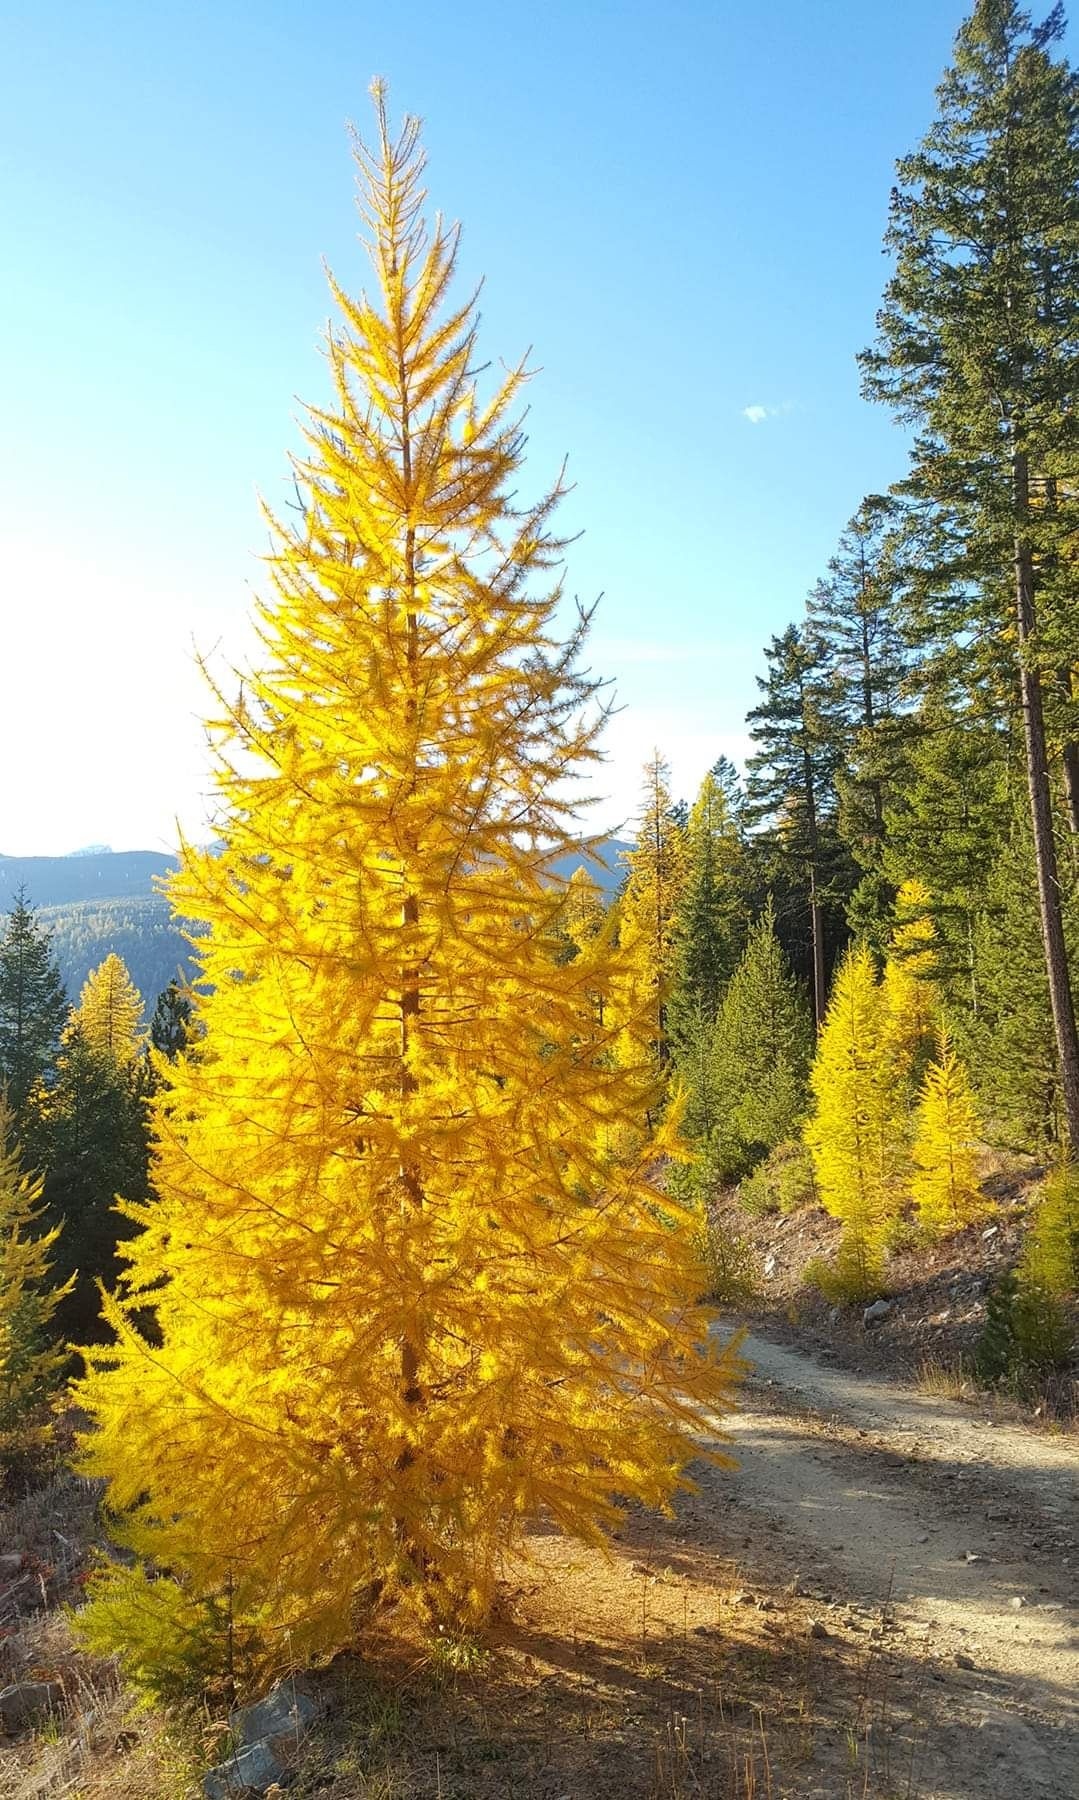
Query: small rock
(769,1265)
(833,1315)
(963,1661)
(10,1564)
(990,1233)
(284,1711)
(744,1599)
(27,1700)
(817,1630)
(1016,1602)
(256,1767)
(877,1312)
(972,1556)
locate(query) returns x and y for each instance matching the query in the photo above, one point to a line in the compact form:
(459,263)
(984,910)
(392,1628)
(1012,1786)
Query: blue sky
(679,206)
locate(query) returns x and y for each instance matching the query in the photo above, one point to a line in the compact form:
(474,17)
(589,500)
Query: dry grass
(944,1376)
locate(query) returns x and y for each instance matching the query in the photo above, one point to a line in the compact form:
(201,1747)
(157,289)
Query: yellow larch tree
(31,1361)
(648,910)
(110,1011)
(405,1298)
(910,994)
(855,1132)
(944,1187)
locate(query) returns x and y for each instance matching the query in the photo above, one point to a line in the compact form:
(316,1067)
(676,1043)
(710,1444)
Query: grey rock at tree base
(27,1700)
(265,1733)
(284,1712)
(10,1564)
(254,1769)
(877,1312)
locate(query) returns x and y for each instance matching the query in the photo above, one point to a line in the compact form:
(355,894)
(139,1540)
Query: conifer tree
(855,1132)
(406,1298)
(30,1359)
(1009,1042)
(852,623)
(171,1021)
(976,348)
(649,907)
(791,786)
(762,1049)
(909,994)
(945,1188)
(88,1133)
(709,921)
(109,1012)
(947,816)
(32,1005)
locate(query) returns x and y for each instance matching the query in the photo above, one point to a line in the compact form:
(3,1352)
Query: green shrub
(733,1277)
(852,1278)
(782,1182)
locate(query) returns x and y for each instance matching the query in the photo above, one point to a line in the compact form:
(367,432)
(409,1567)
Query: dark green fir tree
(32,1007)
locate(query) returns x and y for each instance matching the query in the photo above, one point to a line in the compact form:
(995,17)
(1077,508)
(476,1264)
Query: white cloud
(756,414)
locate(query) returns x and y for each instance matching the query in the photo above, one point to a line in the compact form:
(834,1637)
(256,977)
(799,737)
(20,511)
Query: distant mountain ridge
(85,875)
(96,901)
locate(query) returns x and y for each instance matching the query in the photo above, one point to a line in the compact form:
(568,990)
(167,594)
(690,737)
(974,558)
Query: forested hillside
(141,930)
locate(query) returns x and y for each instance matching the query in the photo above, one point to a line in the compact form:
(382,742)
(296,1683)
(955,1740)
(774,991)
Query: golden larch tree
(856,1129)
(406,1298)
(648,912)
(31,1361)
(944,1187)
(109,1012)
(910,994)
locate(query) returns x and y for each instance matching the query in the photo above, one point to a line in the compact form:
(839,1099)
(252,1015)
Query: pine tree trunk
(1070,760)
(1041,814)
(819,996)
(816,921)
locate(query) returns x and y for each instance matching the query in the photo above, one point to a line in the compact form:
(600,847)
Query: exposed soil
(937,1295)
(834,1619)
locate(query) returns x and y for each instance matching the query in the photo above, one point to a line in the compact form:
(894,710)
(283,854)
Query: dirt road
(965,1531)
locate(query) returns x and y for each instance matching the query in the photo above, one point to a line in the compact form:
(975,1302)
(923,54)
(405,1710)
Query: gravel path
(966,1532)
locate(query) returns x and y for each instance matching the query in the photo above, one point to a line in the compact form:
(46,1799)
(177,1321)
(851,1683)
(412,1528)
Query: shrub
(782,1182)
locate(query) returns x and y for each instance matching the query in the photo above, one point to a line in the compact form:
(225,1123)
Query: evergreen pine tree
(88,1132)
(945,1188)
(763,1044)
(1009,1042)
(855,1132)
(406,1297)
(791,787)
(171,1021)
(32,1005)
(853,626)
(709,925)
(947,816)
(976,348)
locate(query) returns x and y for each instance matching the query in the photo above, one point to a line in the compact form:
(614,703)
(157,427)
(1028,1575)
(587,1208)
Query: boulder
(877,1312)
(25,1701)
(285,1711)
(251,1770)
